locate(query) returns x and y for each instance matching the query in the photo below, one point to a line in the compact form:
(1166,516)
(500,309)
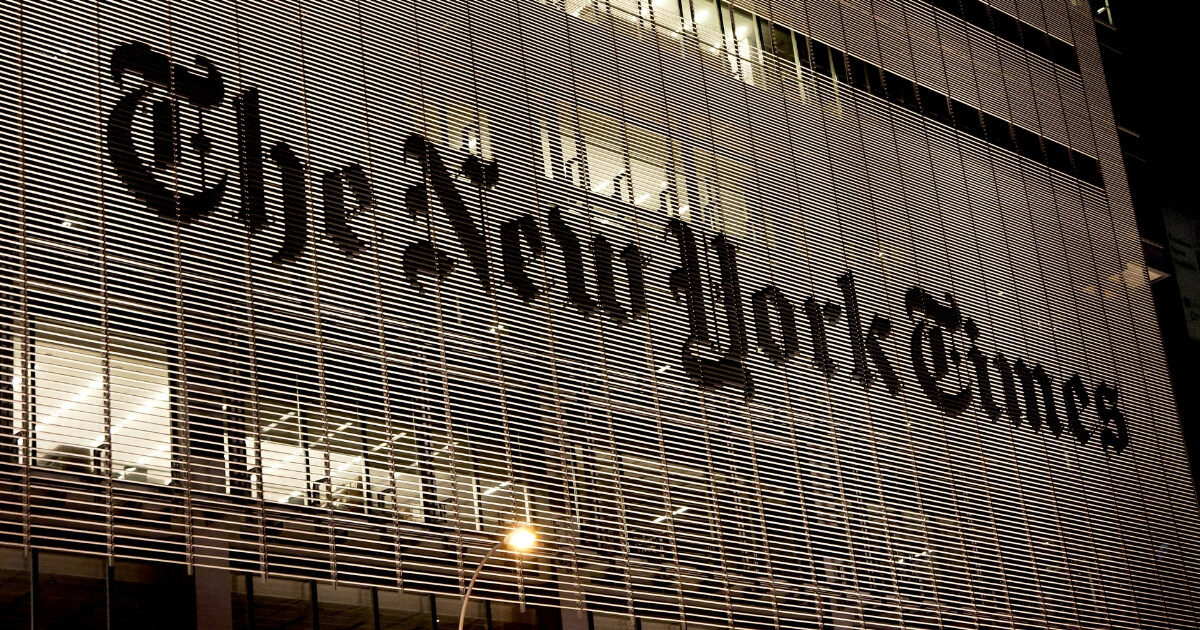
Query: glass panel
(998,132)
(741,40)
(407,477)
(502,503)
(344,607)
(458,127)
(402,611)
(282,604)
(721,194)
(1035,41)
(611,622)
(68,398)
(152,596)
(13,436)
(707,22)
(141,411)
(285,465)
(241,604)
(784,48)
(71,592)
(598,144)
(456,486)
(14,590)
(510,617)
(654,183)
(667,14)
(448,609)
(66,384)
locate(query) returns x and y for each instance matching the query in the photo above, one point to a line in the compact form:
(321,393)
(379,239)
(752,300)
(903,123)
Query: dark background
(1145,51)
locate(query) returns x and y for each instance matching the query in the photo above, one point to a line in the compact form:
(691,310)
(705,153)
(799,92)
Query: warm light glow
(521,538)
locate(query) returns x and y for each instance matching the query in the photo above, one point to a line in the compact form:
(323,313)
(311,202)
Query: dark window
(1006,27)
(966,119)
(1064,54)
(1057,156)
(1087,168)
(935,105)
(977,13)
(838,63)
(784,46)
(1028,144)
(71,591)
(152,596)
(900,91)
(820,58)
(949,6)
(1035,41)
(764,34)
(283,604)
(802,51)
(14,589)
(998,132)
(865,76)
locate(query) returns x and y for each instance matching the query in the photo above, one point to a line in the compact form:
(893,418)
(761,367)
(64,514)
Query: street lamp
(522,538)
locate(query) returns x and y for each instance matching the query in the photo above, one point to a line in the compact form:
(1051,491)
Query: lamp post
(522,538)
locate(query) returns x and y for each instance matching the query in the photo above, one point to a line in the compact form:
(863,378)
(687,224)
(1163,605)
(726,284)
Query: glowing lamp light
(522,538)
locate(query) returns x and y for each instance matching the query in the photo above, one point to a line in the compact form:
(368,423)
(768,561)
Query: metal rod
(462,614)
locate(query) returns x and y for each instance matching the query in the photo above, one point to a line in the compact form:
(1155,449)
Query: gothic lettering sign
(606,277)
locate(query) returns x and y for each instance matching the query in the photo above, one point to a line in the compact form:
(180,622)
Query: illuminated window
(706,20)
(70,379)
(722,196)
(342,455)
(594,156)
(458,127)
(741,41)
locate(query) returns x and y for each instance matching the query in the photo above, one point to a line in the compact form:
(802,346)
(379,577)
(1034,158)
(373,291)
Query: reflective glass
(344,607)
(152,596)
(404,611)
(14,589)
(282,604)
(71,592)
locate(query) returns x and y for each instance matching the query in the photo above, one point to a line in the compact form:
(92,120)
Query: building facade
(766,314)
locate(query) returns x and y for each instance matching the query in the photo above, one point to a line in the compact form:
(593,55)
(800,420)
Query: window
(339,452)
(779,37)
(966,119)
(901,91)
(1028,144)
(741,40)
(976,13)
(1087,168)
(1006,26)
(866,77)
(721,195)
(935,105)
(998,132)
(458,127)
(594,157)
(73,372)
(1058,156)
(707,23)
(820,58)
(1064,54)
(1035,41)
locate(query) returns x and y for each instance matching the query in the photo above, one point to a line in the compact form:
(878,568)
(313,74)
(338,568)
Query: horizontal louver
(779,314)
